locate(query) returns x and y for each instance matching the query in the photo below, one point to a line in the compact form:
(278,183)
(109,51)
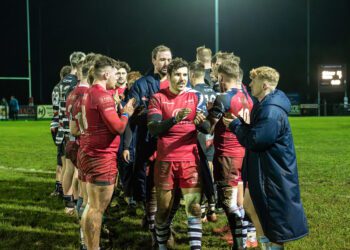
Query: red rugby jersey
(117,90)
(233,101)
(102,124)
(179,143)
(164,84)
(76,110)
(76,94)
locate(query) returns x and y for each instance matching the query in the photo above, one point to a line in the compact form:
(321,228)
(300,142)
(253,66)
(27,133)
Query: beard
(163,71)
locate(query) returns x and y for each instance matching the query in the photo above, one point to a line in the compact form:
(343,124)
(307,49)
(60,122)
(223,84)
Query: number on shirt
(245,114)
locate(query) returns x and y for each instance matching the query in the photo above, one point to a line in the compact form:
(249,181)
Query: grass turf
(30,219)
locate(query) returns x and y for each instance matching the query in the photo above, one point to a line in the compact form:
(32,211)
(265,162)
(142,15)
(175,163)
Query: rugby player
(98,155)
(76,130)
(173,113)
(228,157)
(65,70)
(197,80)
(67,86)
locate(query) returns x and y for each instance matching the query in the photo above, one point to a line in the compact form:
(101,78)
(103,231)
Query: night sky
(261,32)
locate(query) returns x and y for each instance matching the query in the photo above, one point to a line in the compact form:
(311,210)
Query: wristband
(126,114)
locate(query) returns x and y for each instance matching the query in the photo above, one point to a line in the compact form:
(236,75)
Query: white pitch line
(31,170)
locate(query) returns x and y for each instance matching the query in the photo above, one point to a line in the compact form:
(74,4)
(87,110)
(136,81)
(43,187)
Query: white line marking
(31,170)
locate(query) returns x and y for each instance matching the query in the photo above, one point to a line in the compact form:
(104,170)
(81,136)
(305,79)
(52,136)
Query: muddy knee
(228,196)
(193,207)
(195,210)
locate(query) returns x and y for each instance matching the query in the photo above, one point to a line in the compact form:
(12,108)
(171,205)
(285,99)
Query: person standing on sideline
(14,108)
(6,107)
(272,197)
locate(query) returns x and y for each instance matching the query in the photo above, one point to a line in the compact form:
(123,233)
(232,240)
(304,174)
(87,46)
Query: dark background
(261,32)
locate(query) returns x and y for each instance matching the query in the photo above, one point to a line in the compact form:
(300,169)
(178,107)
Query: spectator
(31,101)
(14,108)
(5,108)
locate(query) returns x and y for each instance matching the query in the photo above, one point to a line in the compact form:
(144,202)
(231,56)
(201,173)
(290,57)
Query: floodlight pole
(216,25)
(308,44)
(319,102)
(29,55)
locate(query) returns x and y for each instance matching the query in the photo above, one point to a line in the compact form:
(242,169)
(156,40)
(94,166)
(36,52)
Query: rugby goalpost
(29,77)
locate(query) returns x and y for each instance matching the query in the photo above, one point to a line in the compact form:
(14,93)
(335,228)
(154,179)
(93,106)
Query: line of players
(171,138)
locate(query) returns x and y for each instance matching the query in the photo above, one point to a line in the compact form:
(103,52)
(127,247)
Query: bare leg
(250,210)
(58,173)
(63,159)
(84,193)
(68,178)
(99,198)
(75,184)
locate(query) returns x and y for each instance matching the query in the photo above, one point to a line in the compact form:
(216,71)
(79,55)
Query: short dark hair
(101,63)
(176,64)
(65,70)
(197,69)
(86,67)
(159,48)
(229,68)
(123,65)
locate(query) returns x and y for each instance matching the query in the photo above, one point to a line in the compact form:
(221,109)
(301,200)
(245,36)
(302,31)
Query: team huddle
(180,132)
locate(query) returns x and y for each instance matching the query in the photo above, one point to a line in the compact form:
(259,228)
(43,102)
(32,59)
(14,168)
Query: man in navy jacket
(142,91)
(273,197)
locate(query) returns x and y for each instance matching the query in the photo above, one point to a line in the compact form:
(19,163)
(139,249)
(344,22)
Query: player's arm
(74,129)
(110,116)
(134,93)
(216,112)
(55,108)
(128,133)
(55,118)
(140,115)
(262,134)
(156,124)
(200,121)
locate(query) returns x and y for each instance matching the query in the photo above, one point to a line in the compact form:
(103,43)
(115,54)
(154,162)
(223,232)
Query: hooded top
(271,168)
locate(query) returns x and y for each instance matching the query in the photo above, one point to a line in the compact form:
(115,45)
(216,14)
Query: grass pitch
(30,219)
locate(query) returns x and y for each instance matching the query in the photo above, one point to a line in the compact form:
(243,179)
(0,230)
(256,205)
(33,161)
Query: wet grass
(30,219)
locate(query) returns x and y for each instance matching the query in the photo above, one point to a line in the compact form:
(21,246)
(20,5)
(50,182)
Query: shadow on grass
(30,218)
